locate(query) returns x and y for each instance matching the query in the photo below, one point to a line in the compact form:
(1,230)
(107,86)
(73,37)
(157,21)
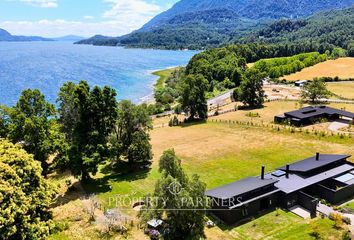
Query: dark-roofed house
(330,177)
(311,114)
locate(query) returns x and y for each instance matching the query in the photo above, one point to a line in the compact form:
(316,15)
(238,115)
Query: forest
(332,27)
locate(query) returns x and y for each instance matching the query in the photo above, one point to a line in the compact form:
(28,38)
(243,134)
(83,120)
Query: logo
(175,188)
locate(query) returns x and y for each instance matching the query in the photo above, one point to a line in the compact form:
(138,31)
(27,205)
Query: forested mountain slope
(334,27)
(200,24)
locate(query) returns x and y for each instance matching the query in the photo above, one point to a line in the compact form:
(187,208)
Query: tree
(25,195)
(94,113)
(351,49)
(140,148)
(68,112)
(193,97)
(251,89)
(30,122)
(131,141)
(179,201)
(4,121)
(315,90)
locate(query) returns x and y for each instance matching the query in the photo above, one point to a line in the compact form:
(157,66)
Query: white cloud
(131,13)
(40,3)
(89,17)
(56,28)
(123,17)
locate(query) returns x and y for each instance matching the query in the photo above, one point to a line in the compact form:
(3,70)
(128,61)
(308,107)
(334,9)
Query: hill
(197,24)
(330,27)
(5,36)
(69,38)
(252,9)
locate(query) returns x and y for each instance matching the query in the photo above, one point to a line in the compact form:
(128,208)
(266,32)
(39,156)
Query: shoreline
(161,75)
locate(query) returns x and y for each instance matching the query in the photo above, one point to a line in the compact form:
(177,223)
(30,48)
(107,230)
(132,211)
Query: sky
(55,18)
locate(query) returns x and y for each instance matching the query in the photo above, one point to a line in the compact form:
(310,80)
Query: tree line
(278,67)
(214,71)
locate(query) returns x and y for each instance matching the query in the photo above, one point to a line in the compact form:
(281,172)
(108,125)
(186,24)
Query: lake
(47,65)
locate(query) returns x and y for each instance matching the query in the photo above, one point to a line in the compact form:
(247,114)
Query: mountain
(252,9)
(5,36)
(69,38)
(99,40)
(331,27)
(198,24)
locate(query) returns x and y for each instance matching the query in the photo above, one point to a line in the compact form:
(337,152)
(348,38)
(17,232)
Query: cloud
(40,3)
(131,13)
(60,27)
(89,17)
(123,17)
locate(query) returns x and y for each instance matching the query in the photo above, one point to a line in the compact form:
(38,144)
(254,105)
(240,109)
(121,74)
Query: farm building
(301,83)
(302,183)
(311,114)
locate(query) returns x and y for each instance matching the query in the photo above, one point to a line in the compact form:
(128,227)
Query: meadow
(342,89)
(219,153)
(342,68)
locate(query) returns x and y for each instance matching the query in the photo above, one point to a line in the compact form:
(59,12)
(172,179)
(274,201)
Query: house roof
(311,163)
(240,187)
(316,111)
(296,182)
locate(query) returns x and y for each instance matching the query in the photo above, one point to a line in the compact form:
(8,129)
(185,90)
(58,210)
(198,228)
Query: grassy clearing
(342,89)
(270,110)
(342,68)
(220,154)
(163,76)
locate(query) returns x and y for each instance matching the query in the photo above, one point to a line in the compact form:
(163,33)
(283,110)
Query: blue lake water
(47,65)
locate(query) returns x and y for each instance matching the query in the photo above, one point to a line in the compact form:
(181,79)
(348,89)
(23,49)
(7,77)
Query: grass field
(342,89)
(220,153)
(271,109)
(163,76)
(284,225)
(342,68)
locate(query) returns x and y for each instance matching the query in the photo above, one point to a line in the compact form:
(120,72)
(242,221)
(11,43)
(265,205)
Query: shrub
(346,220)
(337,218)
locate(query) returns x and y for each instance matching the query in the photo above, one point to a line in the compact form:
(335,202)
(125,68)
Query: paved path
(300,211)
(337,125)
(324,209)
(219,99)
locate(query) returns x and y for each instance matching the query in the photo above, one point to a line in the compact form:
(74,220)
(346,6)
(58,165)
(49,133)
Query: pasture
(342,89)
(342,68)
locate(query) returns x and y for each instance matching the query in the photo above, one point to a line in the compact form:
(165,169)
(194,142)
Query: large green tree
(30,122)
(315,90)
(25,196)
(178,200)
(251,91)
(193,100)
(131,140)
(94,117)
(68,112)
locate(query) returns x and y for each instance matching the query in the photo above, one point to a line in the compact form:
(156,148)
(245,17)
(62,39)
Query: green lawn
(163,76)
(350,205)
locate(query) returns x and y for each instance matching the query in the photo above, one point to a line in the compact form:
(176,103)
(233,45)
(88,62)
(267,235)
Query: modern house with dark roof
(311,114)
(329,177)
